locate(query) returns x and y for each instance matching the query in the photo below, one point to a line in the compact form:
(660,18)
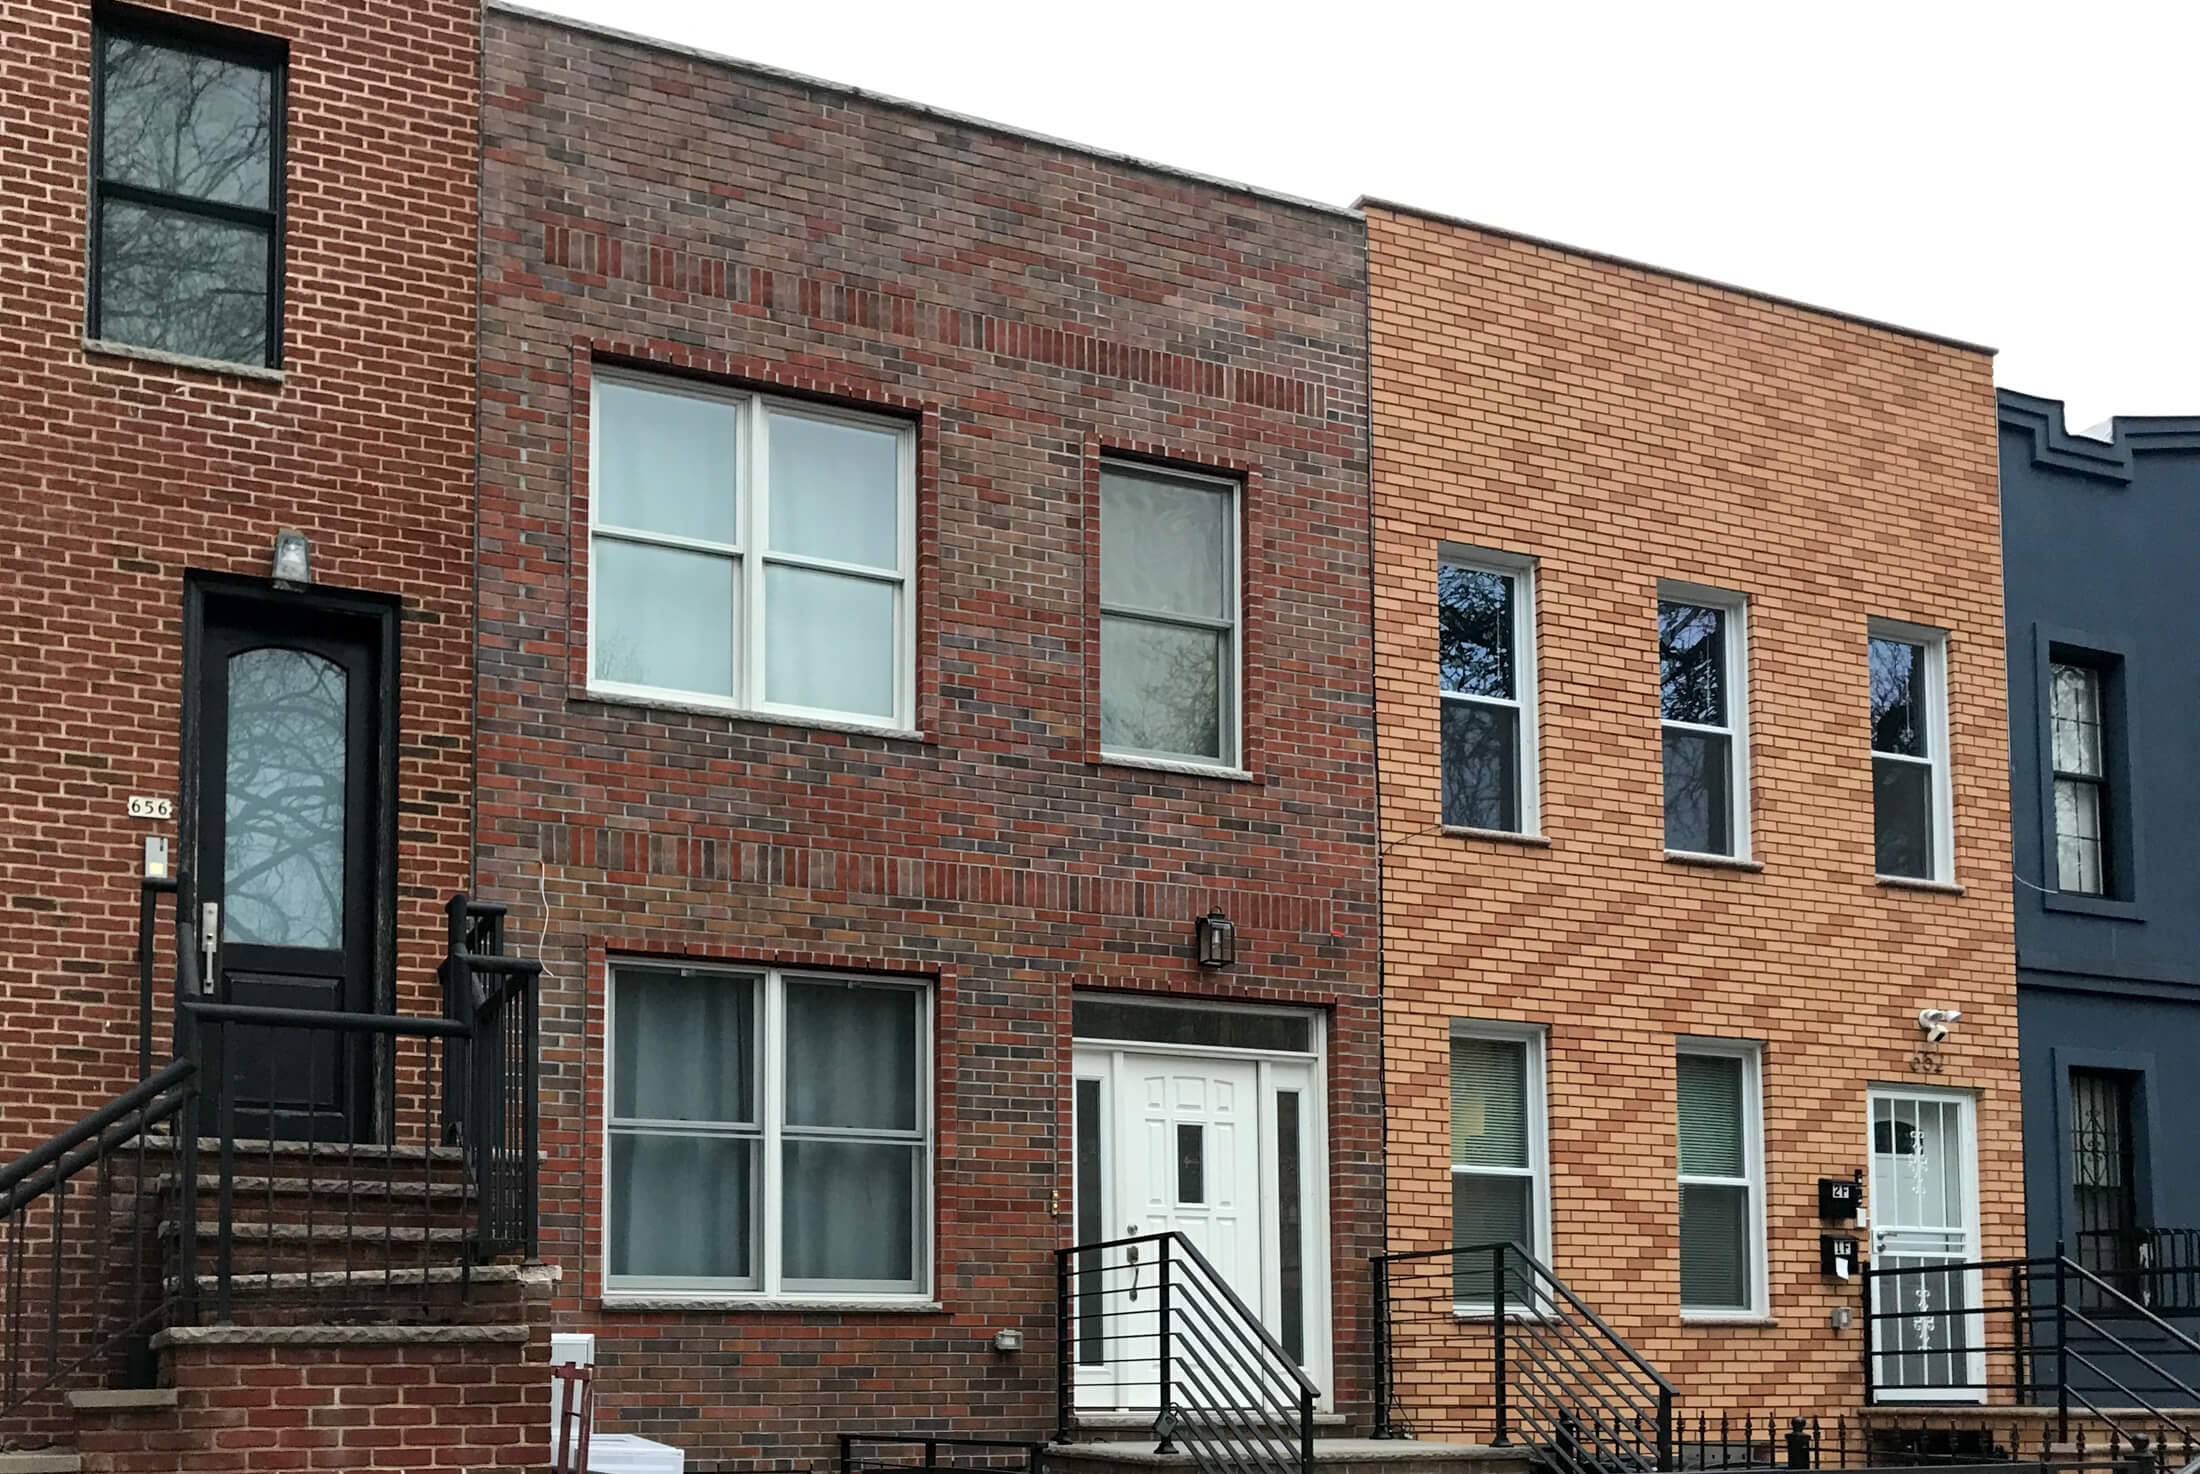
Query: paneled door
(1215,1148)
(287,753)
(1924,1217)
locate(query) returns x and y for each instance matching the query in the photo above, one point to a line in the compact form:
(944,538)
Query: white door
(1924,1223)
(1216,1148)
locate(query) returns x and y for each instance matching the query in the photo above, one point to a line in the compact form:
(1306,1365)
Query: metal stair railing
(2071,1343)
(86,1286)
(1558,1377)
(1151,1320)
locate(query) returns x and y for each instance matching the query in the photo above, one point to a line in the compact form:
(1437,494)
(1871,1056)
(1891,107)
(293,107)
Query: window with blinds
(1496,1142)
(1719,1180)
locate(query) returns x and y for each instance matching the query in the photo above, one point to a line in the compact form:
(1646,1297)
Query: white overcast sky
(2016,174)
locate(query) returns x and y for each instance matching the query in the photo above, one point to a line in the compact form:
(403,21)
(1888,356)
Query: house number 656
(151,808)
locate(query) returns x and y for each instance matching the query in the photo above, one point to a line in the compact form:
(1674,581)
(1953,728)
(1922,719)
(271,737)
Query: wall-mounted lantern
(293,560)
(1217,938)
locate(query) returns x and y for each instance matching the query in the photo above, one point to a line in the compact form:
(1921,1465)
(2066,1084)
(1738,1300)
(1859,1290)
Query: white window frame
(748,553)
(771,1135)
(1527,755)
(2103,793)
(1230,696)
(1752,1055)
(1736,651)
(1935,644)
(1533,1038)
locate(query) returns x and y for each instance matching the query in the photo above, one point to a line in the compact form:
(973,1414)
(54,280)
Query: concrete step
(41,1461)
(1331,1456)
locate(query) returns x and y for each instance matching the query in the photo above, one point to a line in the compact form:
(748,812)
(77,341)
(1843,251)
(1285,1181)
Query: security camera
(1937,1023)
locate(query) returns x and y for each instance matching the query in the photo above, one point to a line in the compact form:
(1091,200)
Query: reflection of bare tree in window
(1691,663)
(1474,620)
(1160,689)
(284,856)
(180,129)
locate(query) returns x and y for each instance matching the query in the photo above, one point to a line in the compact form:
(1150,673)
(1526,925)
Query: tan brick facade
(1620,426)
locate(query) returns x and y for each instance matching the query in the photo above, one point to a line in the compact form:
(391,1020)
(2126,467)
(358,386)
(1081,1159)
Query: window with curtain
(1720,1181)
(2079,751)
(1702,711)
(1485,661)
(750,553)
(187,189)
(1496,1145)
(717,1183)
(1169,634)
(1909,759)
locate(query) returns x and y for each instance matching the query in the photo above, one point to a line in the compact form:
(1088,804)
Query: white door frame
(1966,1103)
(1099,1059)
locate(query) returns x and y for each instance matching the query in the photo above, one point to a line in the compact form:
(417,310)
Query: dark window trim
(2120,898)
(204,38)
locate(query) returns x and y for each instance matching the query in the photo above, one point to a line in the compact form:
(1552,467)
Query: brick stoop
(280,1398)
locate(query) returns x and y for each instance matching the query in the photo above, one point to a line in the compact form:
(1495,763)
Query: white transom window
(769,1134)
(750,553)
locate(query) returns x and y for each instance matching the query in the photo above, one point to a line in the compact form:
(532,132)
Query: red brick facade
(1025,306)
(123,472)
(119,473)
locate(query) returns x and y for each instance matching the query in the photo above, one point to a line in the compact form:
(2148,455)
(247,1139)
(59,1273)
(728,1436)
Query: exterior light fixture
(293,561)
(1217,939)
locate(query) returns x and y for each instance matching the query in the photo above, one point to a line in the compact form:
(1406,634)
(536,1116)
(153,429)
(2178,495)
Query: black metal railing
(1149,1323)
(2158,1267)
(2045,1331)
(79,1265)
(877,1453)
(1483,1340)
(338,1163)
(1995,1442)
(494,1074)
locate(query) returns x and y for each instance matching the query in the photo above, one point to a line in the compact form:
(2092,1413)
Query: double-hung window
(751,554)
(1498,1180)
(1485,633)
(187,190)
(1704,707)
(1169,625)
(1912,827)
(1721,1179)
(770,1134)
(2078,736)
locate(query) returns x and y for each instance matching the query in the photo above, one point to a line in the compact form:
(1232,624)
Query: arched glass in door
(285,799)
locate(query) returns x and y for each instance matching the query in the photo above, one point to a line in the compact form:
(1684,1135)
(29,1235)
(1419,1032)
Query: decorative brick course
(1621,425)
(1029,306)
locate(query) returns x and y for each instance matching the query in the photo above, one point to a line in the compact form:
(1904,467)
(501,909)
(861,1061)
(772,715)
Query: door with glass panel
(1219,1147)
(285,785)
(1924,1216)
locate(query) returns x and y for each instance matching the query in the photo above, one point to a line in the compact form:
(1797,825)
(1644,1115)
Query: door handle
(210,930)
(1132,1254)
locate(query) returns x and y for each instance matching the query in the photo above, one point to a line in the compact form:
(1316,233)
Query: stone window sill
(1497,836)
(1713,862)
(751,1305)
(104,348)
(1913,883)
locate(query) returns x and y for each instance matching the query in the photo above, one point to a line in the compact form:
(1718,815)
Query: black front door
(288,756)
